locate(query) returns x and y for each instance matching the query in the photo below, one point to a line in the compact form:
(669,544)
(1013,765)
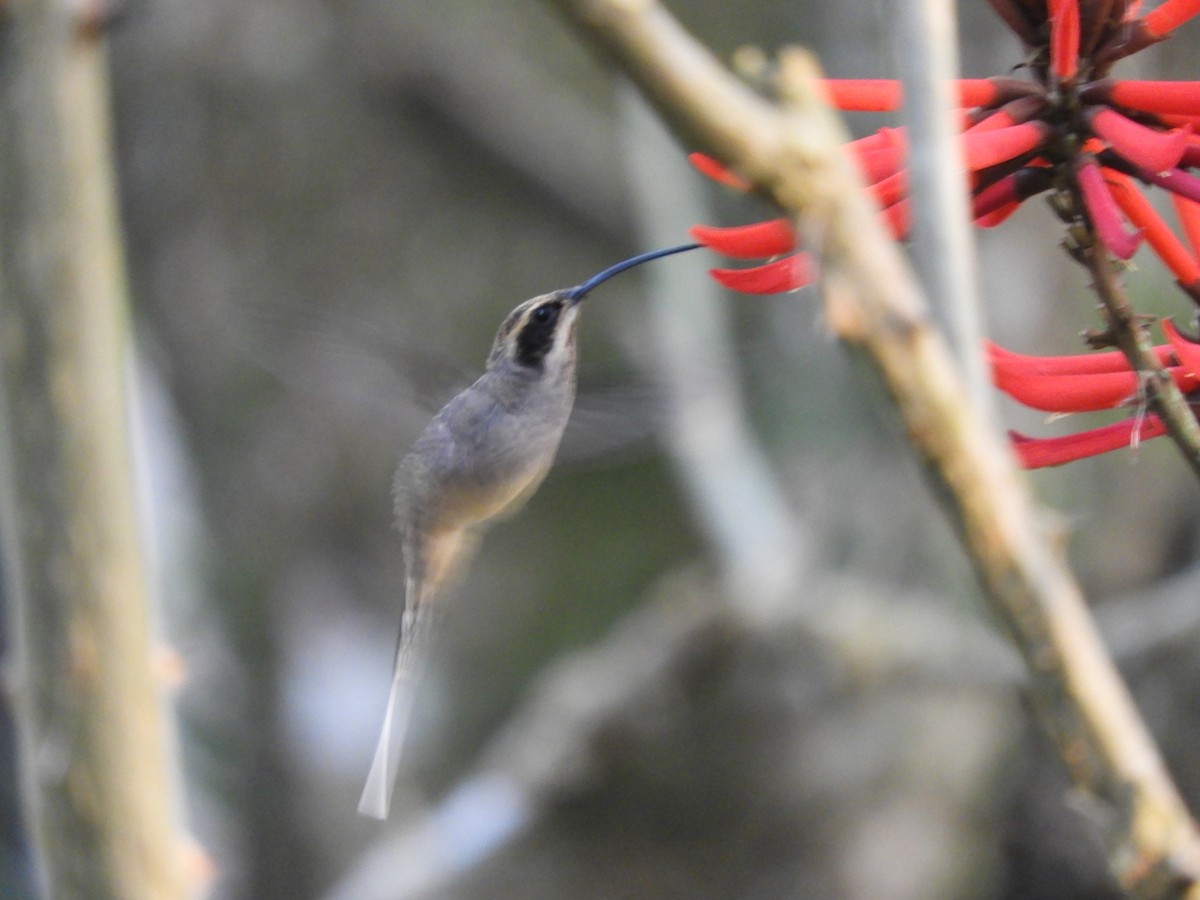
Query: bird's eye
(545,314)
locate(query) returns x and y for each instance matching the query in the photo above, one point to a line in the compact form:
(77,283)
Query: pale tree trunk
(96,771)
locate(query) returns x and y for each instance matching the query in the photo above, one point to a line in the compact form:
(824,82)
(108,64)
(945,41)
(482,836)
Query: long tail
(381,779)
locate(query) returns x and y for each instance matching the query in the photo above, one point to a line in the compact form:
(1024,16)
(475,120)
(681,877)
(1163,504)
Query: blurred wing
(355,366)
(613,423)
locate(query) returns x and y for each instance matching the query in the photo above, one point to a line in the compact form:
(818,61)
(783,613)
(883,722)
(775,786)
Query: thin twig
(795,158)
(1128,331)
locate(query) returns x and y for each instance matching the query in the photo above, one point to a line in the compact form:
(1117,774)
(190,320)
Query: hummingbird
(480,458)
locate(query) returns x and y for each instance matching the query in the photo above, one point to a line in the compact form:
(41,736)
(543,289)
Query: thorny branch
(1128,331)
(793,156)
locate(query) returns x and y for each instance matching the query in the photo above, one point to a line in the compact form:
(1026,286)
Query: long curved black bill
(578,293)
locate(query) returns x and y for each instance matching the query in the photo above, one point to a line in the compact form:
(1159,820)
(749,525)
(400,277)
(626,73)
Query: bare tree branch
(794,157)
(96,771)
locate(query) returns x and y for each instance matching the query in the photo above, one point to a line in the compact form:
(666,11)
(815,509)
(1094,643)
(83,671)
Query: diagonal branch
(794,157)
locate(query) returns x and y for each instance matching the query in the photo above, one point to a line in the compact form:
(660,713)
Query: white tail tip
(381,779)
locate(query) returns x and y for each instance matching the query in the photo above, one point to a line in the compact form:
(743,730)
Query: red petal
(755,241)
(1156,151)
(1077,364)
(785,274)
(988,148)
(1011,189)
(990,91)
(1176,182)
(1159,235)
(1012,113)
(1036,453)
(978,92)
(1068,393)
(995,196)
(706,165)
(1189,217)
(863,94)
(1076,392)
(885,95)
(1064,38)
(1169,16)
(1103,210)
(1178,97)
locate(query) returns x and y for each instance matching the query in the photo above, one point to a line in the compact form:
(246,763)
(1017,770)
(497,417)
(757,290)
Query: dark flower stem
(1129,333)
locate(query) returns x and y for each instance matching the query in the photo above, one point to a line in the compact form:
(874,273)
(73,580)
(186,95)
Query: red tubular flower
(982,149)
(762,239)
(1175,181)
(1075,384)
(885,94)
(1071,393)
(878,163)
(1137,34)
(863,94)
(755,241)
(706,165)
(1066,126)
(1011,190)
(1043,125)
(1189,217)
(785,274)
(882,139)
(1153,150)
(1012,113)
(995,197)
(1179,97)
(1064,38)
(1038,453)
(1086,383)
(1168,16)
(1080,393)
(1104,213)
(1139,211)
(1079,364)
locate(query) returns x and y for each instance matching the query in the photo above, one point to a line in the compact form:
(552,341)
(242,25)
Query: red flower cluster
(1069,129)
(1086,383)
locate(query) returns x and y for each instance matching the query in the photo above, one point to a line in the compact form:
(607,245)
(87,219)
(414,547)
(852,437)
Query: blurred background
(329,207)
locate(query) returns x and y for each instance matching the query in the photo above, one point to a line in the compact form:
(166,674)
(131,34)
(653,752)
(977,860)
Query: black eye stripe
(536,336)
